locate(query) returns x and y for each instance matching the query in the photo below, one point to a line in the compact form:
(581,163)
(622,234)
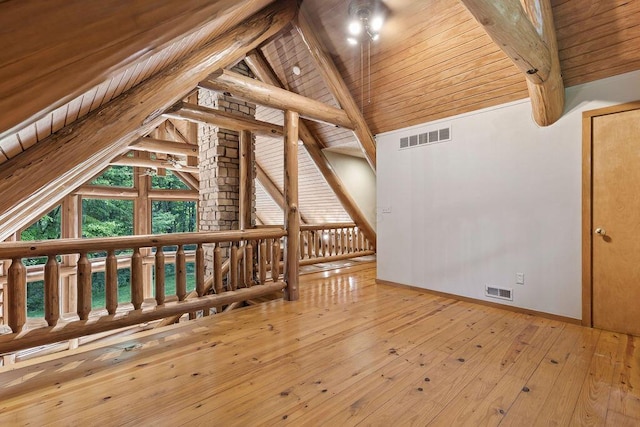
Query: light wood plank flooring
(350,352)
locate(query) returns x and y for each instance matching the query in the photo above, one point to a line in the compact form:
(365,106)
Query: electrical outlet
(519,278)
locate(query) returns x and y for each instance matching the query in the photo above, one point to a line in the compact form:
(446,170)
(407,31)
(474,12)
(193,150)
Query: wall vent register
(501,293)
(426,138)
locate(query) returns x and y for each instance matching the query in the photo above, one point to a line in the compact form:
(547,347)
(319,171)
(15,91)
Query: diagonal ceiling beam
(338,88)
(531,46)
(49,56)
(272,189)
(261,68)
(198,114)
(55,166)
(252,90)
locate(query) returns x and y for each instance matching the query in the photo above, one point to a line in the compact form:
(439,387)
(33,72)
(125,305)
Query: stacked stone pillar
(219,167)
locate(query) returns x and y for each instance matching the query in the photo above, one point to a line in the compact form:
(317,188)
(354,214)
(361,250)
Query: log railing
(332,242)
(239,287)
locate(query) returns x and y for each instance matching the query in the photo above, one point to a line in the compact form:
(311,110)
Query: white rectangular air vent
(502,293)
(426,138)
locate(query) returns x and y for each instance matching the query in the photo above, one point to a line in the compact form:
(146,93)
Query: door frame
(587,203)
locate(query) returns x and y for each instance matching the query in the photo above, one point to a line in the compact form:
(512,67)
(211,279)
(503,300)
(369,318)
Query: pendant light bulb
(355,28)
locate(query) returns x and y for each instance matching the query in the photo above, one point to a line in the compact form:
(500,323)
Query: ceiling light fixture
(366,18)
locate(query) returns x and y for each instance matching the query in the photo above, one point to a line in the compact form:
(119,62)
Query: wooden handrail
(327,226)
(60,328)
(10,250)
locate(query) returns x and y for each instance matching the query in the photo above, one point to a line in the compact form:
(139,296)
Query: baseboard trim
(483,302)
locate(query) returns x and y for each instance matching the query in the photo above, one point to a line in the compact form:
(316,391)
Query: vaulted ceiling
(63,61)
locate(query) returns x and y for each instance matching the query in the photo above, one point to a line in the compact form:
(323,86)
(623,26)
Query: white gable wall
(503,197)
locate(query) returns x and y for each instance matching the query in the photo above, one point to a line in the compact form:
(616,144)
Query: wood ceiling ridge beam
(199,114)
(338,88)
(57,165)
(258,92)
(260,67)
(527,35)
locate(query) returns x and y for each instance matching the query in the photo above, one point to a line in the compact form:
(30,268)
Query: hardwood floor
(349,352)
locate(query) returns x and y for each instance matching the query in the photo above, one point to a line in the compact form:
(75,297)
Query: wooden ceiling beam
(529,40)
(49,56)
(153,164)
(547,98)
(55,166)
(258,92)
(191,181)
(198,114)
(261,68)
(272,189)
(163,146)
(338,88)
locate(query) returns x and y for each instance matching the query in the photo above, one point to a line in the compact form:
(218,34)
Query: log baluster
(181,274)
(217,269)
(160,276)
(52,291)
(111,282)
(275,260)
(200,266)
(262,268)
(309,243)
(301,250)
(84,287)
(248,265)
(335,241)
(233,267)
(137,274)
(241,271)
(17,295)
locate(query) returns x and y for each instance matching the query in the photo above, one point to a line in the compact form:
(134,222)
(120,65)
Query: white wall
(504,196)
(359,180)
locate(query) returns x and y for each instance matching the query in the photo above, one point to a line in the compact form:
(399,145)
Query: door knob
(600,231)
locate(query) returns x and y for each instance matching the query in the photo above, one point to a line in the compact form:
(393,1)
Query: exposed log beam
(272,190)
(104,192)
(338,88)
(53,59)
(260,67)
(191,181)
(246,186)
(163,146)
(197,114)
(255,91)
(291,214)
(530,45)
(149,163)
(55,166)
(547,98)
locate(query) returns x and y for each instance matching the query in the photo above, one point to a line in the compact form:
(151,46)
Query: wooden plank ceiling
(432,61)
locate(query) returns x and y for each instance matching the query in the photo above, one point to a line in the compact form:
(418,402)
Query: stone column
(219,167)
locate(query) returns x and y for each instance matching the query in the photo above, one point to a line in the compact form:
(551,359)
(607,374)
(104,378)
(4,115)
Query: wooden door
(616,221)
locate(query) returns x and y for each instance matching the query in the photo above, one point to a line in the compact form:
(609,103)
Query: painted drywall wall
(502,197)
(358,179)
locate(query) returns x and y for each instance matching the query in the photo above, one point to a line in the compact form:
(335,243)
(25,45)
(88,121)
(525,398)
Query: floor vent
(426,138)
(502,293)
